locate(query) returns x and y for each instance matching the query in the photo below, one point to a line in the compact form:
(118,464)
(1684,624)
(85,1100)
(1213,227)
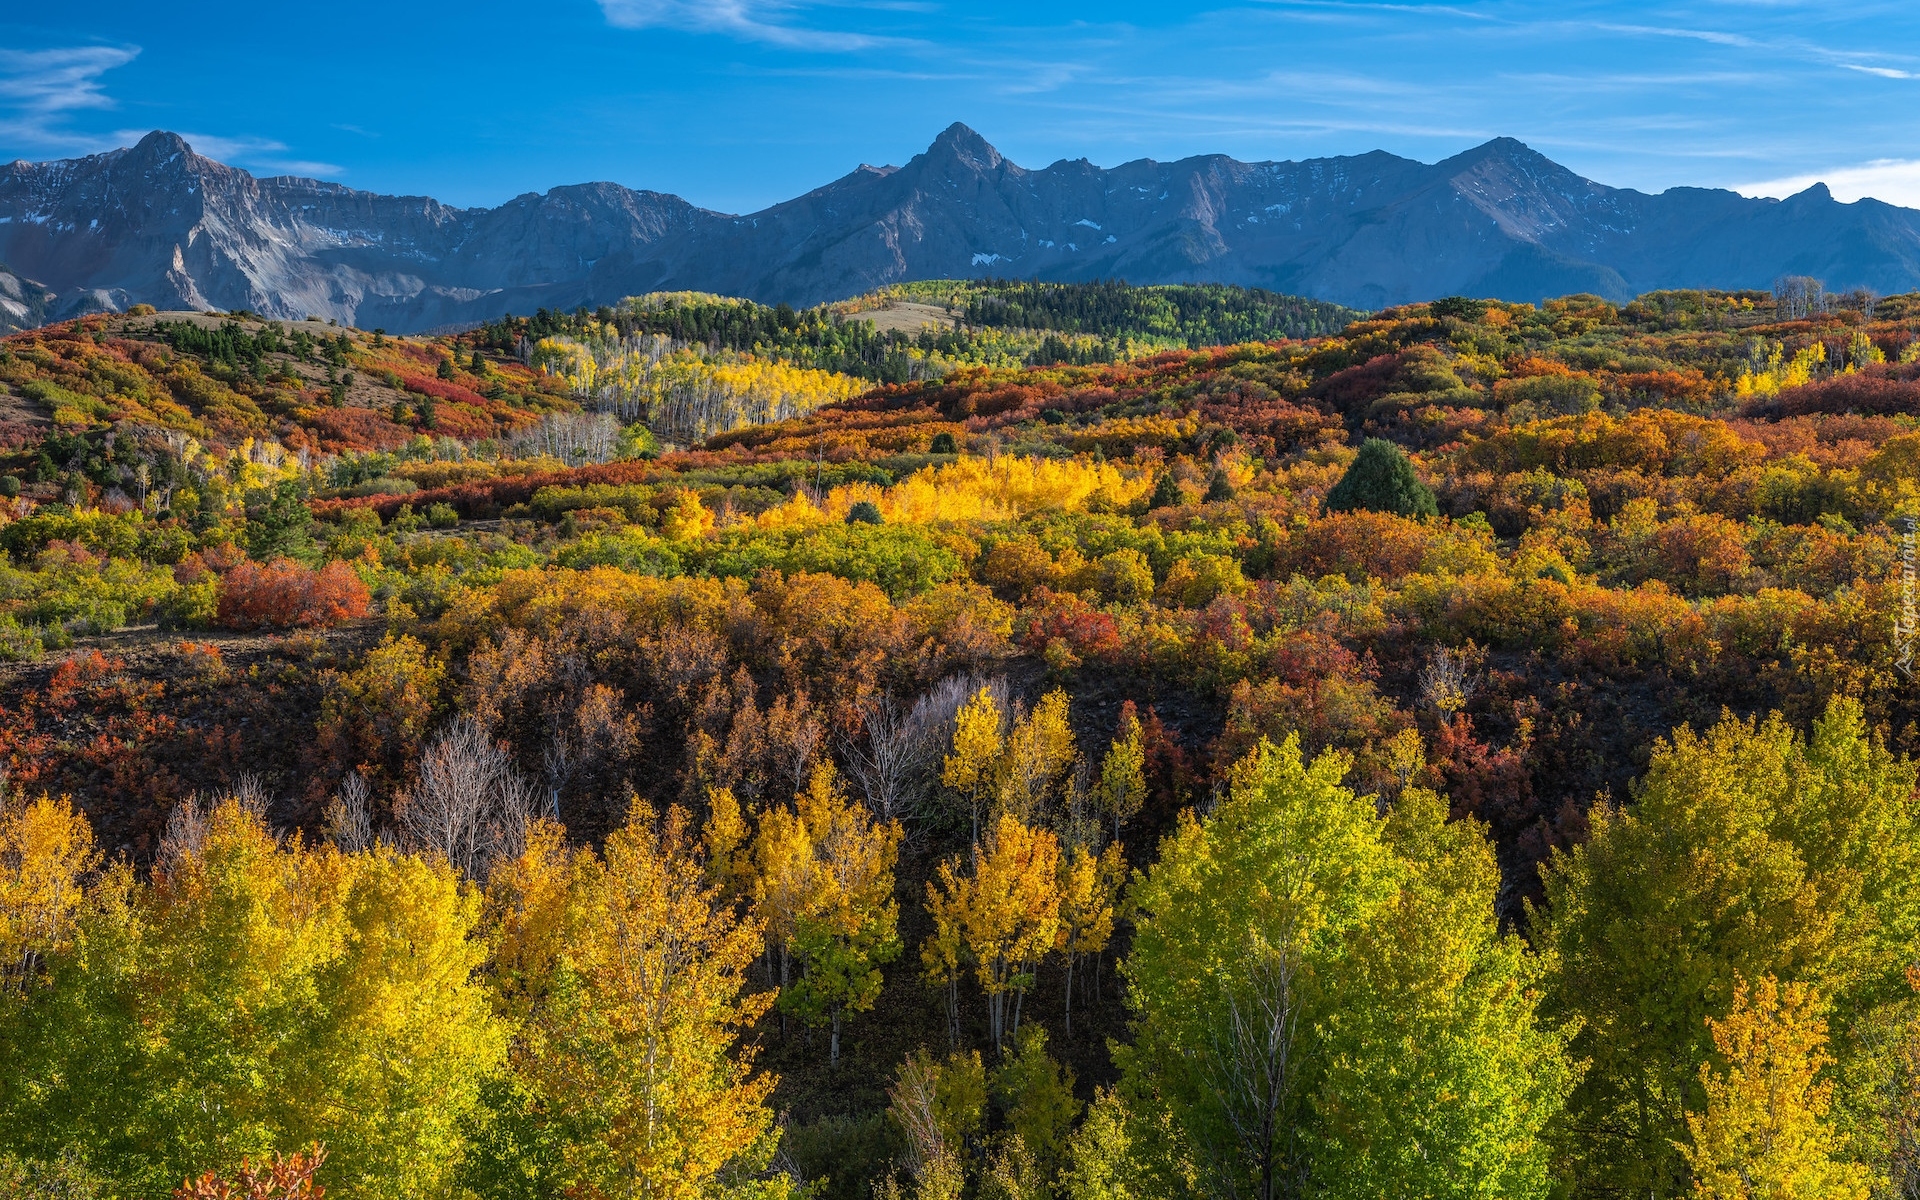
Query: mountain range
(159,223)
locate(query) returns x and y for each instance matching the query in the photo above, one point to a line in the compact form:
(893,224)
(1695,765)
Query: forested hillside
(962,323)
(1466,753)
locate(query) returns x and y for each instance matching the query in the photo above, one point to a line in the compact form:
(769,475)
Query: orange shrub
(284,594)
(1358,545)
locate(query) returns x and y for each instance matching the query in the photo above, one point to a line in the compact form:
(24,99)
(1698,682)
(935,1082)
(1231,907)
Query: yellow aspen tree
(937,1106)
(725,839)
(849,926)
(409,1033)
(1764,1134)
(1039,754)
(257,994)
(637,1035)
(973,767)
(944,954)
(46,856)
(1006,915)
(1089,888)
(526,918)
(784,881)
(1903,1119)
(1123,780)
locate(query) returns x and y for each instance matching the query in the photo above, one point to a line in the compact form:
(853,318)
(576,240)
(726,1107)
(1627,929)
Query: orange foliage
(284,594)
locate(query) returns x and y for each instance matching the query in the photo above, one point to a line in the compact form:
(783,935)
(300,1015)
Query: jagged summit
(158,222)
(160,145)
(959,143)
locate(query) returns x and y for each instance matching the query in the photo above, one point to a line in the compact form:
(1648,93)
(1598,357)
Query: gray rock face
(161,224)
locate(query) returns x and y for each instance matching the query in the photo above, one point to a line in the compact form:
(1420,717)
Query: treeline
(1197,314)
(231,344)
(1083,323)
(815,338)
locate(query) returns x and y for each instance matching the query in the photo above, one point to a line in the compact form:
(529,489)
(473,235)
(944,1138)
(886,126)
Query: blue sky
(736,104)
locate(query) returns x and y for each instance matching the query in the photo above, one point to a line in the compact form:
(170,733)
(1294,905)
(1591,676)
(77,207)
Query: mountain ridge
(159,223)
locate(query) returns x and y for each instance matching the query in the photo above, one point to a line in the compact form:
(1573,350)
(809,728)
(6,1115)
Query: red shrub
(1875,391)
(284,594)
(440,389)
(339,429)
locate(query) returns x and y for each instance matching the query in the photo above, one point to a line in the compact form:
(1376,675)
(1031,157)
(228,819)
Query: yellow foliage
(1123,780)
(1764,1135)
(1001,489)
(977,747)
(1089,887)
(1039,753)
(1006,913)
(724,838)
(633,1028)
(46,855)
(1778,374)
(687,519)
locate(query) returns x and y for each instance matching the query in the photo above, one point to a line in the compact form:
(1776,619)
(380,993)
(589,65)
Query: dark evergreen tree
(1219,487)
(943,443)
(865,512)
(1166,493)
(1382,480)
(282,526)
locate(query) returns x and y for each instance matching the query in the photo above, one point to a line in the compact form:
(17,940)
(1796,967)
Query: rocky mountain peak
(159,223)
(960,146)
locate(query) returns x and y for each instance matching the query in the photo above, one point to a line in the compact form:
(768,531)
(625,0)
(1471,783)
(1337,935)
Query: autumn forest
(1098,743)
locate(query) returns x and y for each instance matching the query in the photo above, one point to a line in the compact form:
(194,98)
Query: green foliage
(219,1013)
(902,560)
(1079,323)
(942,443)
(1166,492)
(228,342)
(1278,944)
(1036,1099)
(281,527)
(1748,852)
(865,512)
(1382,480)
(1100,1160)
(1196,314)
(840,1157)
(66,1177)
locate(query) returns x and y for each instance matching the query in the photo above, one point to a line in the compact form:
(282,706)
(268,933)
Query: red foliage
(341,429)
(486,497)
(1490,784)
(459,420)
(440,389)
(1085,630)
(216,559)
(1876,391)
(278,1178)
(1353,389)
(284,594)
(1168,768)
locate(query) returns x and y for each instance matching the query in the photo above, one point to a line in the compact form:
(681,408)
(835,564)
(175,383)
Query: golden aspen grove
(1108,744)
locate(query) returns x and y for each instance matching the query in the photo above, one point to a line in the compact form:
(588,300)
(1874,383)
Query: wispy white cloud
(1882,72)
(769,21)
(39,88)
(254,152)
(42,90)
(1894,180)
